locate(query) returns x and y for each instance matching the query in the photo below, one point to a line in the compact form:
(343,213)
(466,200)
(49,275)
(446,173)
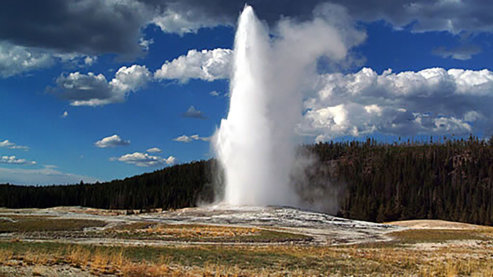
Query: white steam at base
(256,144)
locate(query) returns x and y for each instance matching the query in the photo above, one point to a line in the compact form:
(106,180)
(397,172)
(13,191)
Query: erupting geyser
(256,143)
(256,164)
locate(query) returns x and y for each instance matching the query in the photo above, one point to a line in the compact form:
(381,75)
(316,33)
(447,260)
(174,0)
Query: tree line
(174,187)
(448,179)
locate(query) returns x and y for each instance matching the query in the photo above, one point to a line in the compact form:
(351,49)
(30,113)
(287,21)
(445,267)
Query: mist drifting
(256,143)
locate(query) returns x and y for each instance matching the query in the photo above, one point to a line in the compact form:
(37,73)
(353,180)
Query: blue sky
(56,109)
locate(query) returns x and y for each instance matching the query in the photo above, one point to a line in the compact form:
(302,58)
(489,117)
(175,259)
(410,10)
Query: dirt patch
(433,246)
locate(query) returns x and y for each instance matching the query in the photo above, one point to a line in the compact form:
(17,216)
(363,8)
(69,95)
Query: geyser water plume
(256,143)
(244,142)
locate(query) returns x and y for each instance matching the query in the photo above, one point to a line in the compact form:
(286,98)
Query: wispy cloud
(10,145)
(464,52)
(154,150)
(185,138)
(44,176)
(192,112)
(15,160)
(214,93)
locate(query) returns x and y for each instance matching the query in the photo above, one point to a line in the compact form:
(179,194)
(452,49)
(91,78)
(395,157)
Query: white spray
(256,143)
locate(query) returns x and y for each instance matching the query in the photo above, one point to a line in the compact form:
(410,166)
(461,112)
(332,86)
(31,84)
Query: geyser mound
(256,143)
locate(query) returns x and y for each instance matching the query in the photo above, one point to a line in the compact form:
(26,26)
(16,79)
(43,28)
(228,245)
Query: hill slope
(452,180)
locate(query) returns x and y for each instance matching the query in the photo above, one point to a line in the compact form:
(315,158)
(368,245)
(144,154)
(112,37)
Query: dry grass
(202,233)
(293,260)
(97,262)
(440,235)
(26,224)
(184,230)
(419,252)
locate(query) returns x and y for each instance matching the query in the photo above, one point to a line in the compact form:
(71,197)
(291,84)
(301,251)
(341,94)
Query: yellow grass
(184,231)
(343,261)
(423,253)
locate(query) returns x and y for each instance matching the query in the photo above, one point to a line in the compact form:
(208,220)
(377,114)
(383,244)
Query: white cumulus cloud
(208,65)
(95,90)
(171,21)
(430,101)
(111,141)
(144,159)
(18,59)
(15,160)
(130,78)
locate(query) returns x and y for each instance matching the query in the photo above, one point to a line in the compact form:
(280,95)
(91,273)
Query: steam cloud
(256,143)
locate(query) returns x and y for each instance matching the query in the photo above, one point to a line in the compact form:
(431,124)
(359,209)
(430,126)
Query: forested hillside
(173,187)
(451,180)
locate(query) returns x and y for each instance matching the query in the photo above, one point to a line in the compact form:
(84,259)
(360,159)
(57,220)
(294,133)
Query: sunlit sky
(97,90)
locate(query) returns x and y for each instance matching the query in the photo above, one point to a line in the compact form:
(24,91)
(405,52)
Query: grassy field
(33,245)
(400,257)
(440,235)
(25,224)
(201,233)
(48,227)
